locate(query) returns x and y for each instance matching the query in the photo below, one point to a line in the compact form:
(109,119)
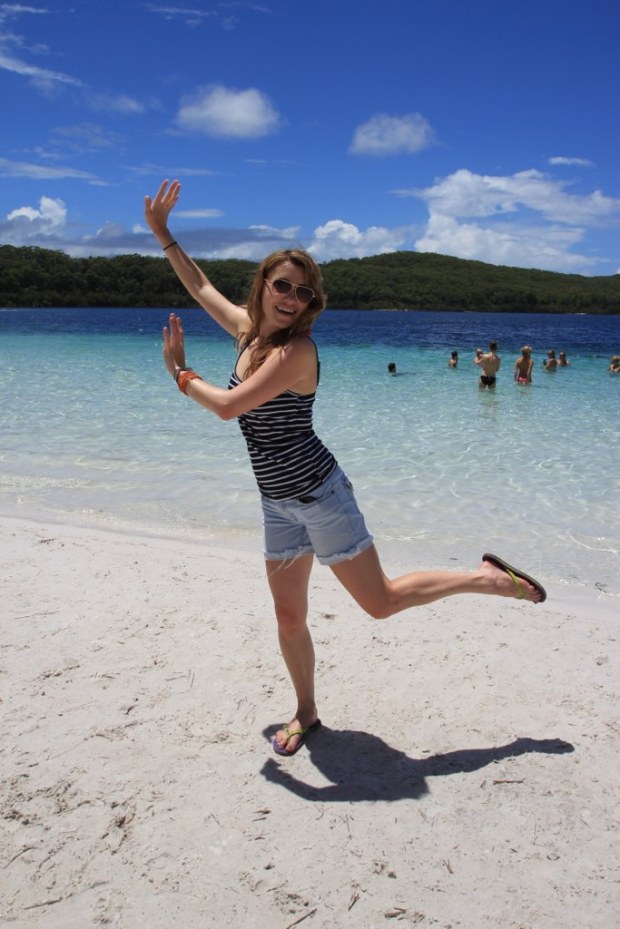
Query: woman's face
(280,310)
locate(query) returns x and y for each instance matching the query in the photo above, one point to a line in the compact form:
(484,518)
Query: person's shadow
(361,766)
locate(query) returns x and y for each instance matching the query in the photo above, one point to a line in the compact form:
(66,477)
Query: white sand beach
(465,775)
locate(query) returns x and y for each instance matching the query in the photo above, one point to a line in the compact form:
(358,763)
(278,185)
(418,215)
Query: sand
(465,774)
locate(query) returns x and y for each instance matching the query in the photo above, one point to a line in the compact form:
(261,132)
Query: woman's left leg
(381,596)
(288,582)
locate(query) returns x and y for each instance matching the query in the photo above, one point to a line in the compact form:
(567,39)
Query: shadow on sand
(361,766)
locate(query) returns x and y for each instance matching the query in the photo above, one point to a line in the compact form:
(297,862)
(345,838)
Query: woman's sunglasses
(300,291)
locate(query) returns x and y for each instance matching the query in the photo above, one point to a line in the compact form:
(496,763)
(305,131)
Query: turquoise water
(94,432)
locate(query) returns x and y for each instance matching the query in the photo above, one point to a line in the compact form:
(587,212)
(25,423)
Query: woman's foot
(504,580)
(291,737)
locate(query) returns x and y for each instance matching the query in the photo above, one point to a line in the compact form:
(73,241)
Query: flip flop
(304,733)
(515,575)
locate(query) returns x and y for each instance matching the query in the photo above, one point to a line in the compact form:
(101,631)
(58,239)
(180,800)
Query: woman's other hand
(174,344)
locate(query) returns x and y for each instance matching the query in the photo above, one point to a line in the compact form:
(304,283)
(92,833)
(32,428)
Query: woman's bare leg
(381,596)
(288,582)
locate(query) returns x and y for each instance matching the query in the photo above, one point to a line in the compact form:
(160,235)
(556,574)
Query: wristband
(170,244)
(185,376)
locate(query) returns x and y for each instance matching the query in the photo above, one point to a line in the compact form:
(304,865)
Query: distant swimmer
(392,367)
(454,360)
(524,365)
(563,361)
(477,359)
(614,365)
(551,362)
(489,362)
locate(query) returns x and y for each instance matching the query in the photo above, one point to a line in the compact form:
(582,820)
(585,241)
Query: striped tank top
(287,457)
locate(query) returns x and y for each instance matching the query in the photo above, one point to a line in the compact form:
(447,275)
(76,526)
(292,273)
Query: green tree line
(38,277)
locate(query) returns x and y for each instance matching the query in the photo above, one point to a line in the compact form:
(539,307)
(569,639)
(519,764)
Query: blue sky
(485,130)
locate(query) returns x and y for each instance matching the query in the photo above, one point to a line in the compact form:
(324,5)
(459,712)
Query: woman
(308,503)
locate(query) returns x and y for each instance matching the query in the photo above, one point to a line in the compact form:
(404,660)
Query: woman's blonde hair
(302,324)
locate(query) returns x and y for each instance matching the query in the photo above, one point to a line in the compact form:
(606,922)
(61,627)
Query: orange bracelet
(184,377)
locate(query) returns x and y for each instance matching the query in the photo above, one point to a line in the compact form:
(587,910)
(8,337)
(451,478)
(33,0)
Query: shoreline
(466,762)
(394,553)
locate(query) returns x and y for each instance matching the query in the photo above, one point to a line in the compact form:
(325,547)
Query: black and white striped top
(288,458)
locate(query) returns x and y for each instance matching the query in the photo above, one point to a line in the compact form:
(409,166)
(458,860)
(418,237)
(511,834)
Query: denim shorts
(330,526)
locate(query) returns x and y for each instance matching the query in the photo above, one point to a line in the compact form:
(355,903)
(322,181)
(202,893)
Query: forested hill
(40,277)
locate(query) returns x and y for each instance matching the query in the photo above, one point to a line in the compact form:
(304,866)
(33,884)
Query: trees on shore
(37,277)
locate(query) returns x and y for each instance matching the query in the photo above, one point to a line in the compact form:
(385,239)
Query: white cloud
(337,239)
(222,112)
(392,135)
(26,222)
(521,246)
(579,162)
(527,219)
(465,193)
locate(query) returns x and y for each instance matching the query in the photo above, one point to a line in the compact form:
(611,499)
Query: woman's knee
(291,617)
(379,609)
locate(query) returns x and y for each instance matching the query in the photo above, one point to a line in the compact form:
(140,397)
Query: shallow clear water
(95,432)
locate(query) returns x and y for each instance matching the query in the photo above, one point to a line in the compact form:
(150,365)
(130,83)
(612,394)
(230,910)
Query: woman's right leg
(288,582)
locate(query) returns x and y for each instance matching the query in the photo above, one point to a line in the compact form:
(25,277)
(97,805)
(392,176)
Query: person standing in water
(551,362)
(308,503)
(524,365)
(490,363)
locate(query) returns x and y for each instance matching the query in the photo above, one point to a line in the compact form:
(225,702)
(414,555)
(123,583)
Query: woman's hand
(156,211)
(174,345)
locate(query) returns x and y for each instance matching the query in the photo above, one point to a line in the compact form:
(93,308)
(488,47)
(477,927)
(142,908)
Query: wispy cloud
(43,78)
(119,104)
(84,138)
(15,57)
(563,160)
(44,172)
(191,16)
(149,169)
(226,15)
(200,214)
(13,50)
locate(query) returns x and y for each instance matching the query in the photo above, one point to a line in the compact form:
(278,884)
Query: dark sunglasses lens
(305,294)
(282,287)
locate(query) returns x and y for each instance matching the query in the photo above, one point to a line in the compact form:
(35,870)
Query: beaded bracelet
(184,377)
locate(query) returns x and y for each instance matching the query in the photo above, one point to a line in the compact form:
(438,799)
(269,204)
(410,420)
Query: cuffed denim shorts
(329,524)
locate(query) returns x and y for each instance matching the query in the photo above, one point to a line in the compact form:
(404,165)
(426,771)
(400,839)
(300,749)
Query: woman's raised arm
(228,315)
